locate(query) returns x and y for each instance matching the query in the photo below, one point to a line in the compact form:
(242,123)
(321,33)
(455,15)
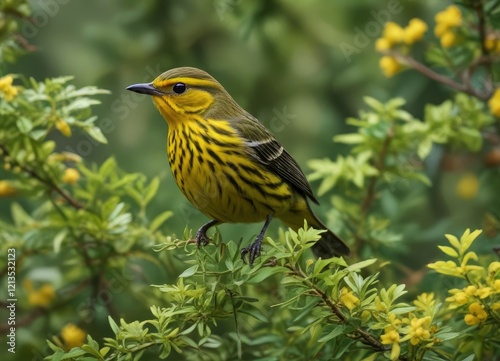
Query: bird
(228,164)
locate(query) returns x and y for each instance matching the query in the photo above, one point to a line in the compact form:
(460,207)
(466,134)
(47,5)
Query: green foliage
(94,253)
(10,13)
(321,310)
(389,147)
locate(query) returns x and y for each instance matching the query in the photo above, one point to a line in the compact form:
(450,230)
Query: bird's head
(185,91)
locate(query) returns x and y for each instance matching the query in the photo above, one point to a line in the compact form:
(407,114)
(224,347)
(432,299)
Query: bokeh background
(301,67)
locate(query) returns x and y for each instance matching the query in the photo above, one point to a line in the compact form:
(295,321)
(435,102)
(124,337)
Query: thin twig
(380,165)
(359,332)
(48,182)
(428,72)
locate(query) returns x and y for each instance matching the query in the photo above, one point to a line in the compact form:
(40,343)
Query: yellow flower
(390,66)
(380,305)
(41,297)
(6,189)
(424,301)
(414,31)
(450,17)
(71,176)
(393,320)
(72,336)
(467,186)
(440,30)
(7,89)
(348,299)
(391,337)
(484,292)
(63,127)
(382,44)
(492,43)
(496,286)
(495,306)
(393,33)
(470,290)
(476,314)
(459,297)
(448,39)
(494,267)
(494,103)
(419,330)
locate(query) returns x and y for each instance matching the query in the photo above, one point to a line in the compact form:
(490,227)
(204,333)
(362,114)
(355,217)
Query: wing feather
(266,150)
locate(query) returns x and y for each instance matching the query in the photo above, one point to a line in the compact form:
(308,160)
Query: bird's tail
(329,245)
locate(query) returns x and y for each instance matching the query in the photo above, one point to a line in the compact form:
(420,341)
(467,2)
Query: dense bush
(100,274)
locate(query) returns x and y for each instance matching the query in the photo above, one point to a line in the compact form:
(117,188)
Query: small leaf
(189,272)
(24,125)
(158,221)
(352,138)
(362,264)
(374,104)
(449,251)
(96,133)
(264,273)
(337,331)
(58,240)
(113,325)
(151,190)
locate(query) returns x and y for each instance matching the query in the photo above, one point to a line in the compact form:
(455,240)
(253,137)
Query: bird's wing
(264,148)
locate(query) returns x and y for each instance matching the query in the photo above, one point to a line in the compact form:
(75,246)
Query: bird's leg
(255,247)
(201,235)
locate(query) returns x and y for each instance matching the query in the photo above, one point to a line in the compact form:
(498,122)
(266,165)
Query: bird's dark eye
(179,88)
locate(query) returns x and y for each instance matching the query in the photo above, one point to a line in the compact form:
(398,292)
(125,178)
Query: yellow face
(183,95)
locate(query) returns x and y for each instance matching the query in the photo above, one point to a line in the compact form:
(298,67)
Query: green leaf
(445,336)
(151,190)
(337,331)
(24,125)
(58,240)
(360,265)
(351,138)
(255,313)
(20,216)
(264,273)
(449,251)
(424,148)
(374,104)
(189,272)
(114,327)
(96,133)
(158,221)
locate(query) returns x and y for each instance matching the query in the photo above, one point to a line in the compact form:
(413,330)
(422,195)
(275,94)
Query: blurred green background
(301,67)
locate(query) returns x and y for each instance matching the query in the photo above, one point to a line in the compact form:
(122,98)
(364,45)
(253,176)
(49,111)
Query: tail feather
(329,245)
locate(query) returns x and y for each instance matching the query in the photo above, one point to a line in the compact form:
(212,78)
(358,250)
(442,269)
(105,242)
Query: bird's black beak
(144,88)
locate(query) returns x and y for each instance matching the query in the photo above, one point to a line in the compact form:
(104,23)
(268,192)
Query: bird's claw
(253,251)
(201,239)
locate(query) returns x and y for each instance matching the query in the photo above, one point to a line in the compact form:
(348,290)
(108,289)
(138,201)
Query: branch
(380,165)
(360,334)
(431,74)
(48,182)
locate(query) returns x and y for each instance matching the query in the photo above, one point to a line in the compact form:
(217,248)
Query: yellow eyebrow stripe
(187,80)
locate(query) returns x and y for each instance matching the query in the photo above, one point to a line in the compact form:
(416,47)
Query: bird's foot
(253,251)
(201,238)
